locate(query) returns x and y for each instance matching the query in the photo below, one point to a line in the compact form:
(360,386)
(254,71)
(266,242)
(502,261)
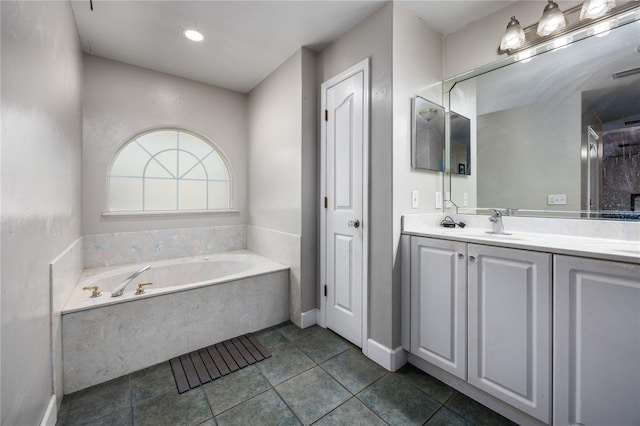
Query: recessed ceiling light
(193,35)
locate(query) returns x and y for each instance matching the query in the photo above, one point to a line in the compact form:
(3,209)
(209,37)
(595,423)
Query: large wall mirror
(557,134)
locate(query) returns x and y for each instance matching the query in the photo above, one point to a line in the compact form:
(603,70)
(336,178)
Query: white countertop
(598,248)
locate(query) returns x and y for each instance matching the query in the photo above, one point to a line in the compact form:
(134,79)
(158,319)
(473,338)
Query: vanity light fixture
(592,9)
(593,17)
(552,19)
(193,35)
(428,113)
(514,35)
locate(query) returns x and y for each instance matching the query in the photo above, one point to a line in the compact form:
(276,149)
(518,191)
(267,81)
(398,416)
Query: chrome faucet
(120,289)
(496,220)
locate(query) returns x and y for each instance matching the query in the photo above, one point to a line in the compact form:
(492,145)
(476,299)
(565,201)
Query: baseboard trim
(51,414)
(309,318)
(392,360)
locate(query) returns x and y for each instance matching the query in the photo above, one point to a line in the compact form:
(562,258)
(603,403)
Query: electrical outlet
(438,200)
(465,199)
(556,199)
(414,199)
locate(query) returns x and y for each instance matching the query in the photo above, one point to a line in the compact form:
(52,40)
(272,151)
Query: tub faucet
(496,220)
(120,289)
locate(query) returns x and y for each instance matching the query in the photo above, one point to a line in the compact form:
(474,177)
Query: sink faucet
(120,289)
(496,220)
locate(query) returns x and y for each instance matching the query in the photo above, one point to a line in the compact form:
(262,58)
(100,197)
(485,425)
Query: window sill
(126,215)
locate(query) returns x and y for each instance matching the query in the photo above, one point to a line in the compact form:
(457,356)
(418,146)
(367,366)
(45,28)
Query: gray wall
(417,70)
(282,174)
(121,100)
(41,172)
(372,38)
(539,154)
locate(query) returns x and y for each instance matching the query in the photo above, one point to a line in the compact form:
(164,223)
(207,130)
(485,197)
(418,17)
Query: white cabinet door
(510,326)
(597,342)
(438,303)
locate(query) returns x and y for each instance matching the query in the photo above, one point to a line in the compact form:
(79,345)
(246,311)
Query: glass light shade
(592,9)
(552,19)
(514,35)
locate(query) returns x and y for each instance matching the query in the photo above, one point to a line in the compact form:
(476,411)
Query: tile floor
(313,377)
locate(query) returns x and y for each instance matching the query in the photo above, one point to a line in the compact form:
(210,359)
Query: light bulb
(514,35)
(552,19)
(592,9)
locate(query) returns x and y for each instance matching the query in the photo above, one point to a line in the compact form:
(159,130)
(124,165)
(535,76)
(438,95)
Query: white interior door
(345,136)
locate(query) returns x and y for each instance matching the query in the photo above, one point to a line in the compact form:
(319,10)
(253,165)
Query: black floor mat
(204,365)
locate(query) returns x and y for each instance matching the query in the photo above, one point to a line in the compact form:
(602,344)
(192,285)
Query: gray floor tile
(119,417)
(210,422)
(271,339)
(353,370)
(286,362)
(322,345)
(293,332)
(396,403)
(264,409)
(235,388)
(351,413)
(312,394)
(446,417)
(427,384)
(151,382)
(475,412)
(173,409)
(95,402)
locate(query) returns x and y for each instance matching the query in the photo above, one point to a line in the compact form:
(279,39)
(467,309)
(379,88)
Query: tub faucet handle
(95,291)
(140,289)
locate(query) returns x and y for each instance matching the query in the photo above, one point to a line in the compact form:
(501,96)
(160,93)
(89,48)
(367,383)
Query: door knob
(354,223)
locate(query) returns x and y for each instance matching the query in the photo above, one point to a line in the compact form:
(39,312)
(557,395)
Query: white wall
(417,70)
(372,38)
(41,172)
(121,100)
(282,175)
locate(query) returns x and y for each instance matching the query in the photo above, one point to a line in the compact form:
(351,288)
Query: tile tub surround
(102,343)
(145,246)
(298,386)
(64,273)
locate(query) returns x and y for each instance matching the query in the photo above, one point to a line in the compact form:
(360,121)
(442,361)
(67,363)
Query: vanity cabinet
(439,303)
(596,342)
(509,326)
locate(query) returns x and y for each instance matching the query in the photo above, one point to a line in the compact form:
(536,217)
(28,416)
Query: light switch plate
(414,200)
(438,200)
(556,199)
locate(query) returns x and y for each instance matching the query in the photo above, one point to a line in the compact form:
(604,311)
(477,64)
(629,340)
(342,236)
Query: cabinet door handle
(472,258)
(460,256)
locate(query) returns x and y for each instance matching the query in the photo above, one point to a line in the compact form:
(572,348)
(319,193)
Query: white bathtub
(192,303)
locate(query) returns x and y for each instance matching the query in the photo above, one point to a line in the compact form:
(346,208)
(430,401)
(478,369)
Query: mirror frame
(450,207)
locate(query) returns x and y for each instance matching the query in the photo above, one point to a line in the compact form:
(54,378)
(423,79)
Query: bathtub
(192,303)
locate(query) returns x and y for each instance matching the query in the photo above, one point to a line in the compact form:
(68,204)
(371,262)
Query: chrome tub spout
(120,289)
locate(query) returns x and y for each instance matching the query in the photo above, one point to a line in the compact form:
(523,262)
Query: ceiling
(245,40)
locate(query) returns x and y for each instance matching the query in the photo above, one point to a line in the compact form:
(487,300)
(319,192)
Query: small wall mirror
(460,142)
(427,147)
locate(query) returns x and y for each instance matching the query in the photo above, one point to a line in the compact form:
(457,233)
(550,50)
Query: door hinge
(325,290)
(326,202)
(326,115)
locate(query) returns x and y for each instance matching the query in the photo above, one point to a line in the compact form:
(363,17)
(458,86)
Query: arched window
(169,170)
